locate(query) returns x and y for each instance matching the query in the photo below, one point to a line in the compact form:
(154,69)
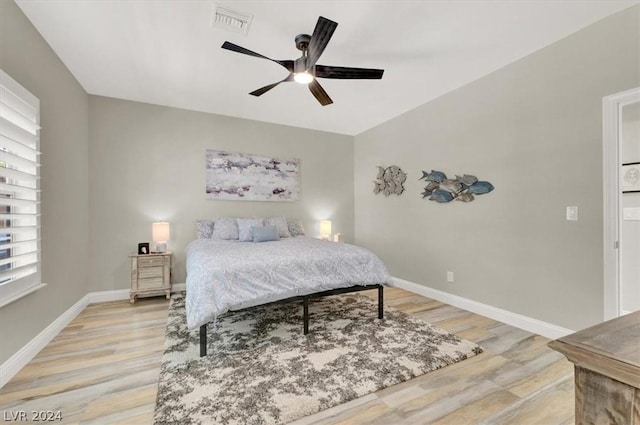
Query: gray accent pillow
(225,228)
(281,225)
(295,227)
(264,233)
(244,228)
(204,228)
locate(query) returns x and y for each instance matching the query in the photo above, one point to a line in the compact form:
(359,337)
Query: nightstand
(150,275)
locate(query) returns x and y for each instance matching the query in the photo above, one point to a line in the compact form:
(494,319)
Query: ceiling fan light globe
(303,77)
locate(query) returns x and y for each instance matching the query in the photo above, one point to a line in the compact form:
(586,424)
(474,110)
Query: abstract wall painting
(389,180)
(245,177)
(463,188)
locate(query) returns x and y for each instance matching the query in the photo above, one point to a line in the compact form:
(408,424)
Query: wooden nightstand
(150,275)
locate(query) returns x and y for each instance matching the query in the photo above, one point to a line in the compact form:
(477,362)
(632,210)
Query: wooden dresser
(150,275)
(607,371)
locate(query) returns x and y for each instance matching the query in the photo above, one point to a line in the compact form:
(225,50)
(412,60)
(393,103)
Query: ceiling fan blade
(265,89)
(347,73)
(319,39)
(239,49)
(288,64)
(319,93)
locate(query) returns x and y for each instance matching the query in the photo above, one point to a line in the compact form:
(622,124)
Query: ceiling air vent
(230,20)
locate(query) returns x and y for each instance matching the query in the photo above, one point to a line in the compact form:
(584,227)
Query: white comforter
(230,275)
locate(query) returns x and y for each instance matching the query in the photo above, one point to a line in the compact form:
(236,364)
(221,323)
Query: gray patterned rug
(261,369)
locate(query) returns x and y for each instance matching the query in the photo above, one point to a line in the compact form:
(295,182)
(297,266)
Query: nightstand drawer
(149,272)
(150,283)
(154,261)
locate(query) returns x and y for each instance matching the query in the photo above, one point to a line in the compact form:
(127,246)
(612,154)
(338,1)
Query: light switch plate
(572,213)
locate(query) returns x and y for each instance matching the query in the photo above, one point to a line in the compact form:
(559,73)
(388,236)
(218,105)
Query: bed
(225,275)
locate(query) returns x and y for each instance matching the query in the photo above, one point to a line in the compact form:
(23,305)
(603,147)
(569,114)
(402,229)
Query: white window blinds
(19,190)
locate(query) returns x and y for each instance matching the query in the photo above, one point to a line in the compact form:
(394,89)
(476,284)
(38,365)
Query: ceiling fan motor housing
(300,65)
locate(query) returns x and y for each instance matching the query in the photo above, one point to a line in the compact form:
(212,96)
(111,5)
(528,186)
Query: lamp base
(161,247)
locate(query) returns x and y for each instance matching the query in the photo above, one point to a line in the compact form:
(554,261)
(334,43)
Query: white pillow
(244,228)
(295,227)
(204,228)
(225,228)
(281,225)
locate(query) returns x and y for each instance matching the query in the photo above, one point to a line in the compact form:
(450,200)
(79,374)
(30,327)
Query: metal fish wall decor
(389,180)
(463,188)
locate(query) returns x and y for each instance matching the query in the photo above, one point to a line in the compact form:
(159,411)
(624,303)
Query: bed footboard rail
(305,308)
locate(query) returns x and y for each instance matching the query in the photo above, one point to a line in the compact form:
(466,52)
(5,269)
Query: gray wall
(532,128)
(147,164)
(26,57)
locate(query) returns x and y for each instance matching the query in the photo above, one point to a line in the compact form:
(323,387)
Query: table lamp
(160,234)
(325,229)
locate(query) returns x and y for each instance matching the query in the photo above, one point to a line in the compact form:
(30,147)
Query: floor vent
(230,20)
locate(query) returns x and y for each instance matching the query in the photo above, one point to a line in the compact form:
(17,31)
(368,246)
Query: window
(19,191)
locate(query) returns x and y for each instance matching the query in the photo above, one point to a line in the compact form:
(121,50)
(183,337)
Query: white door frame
(611,123)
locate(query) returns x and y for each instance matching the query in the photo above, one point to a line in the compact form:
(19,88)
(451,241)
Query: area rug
(261,368)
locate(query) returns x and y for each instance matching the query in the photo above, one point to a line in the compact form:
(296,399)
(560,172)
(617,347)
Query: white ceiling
(166,52)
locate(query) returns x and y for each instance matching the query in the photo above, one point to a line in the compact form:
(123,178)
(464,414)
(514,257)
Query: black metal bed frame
(305,307)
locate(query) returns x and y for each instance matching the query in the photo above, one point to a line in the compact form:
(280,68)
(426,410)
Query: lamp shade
(160,231)
(325,227)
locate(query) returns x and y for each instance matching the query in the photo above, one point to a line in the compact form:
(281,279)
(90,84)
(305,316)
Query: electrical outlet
(450,277)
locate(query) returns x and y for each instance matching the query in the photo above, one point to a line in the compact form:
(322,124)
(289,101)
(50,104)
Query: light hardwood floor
(103,369)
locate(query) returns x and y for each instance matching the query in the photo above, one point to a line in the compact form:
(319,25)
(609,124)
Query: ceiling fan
(304,70)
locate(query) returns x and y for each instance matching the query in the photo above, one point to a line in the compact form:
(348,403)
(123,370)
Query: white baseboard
(9,368)
(123,294)
(529,324)
(107,296)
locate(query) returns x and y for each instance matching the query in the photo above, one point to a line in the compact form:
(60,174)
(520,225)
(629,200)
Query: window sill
(19,295)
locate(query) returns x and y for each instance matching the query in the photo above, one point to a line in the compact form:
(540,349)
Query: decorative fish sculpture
(467,179)
(463,188)
(479,188)
(450,185)
(435,176)
(431,186)
(441,196)
(390,180)
(465,197)
(388,175)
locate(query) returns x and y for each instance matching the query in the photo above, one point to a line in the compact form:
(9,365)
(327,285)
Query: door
(621,150)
